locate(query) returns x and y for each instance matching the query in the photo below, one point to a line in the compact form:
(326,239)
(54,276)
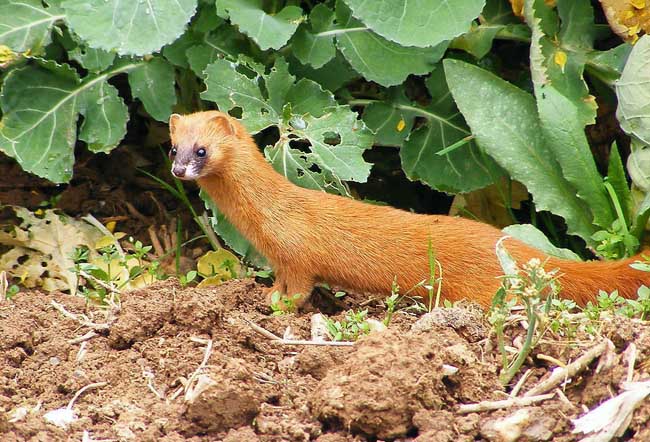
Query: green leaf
(461,170)
(608,65)
(105,117)
(332,76)
(531,235)
(392,119)
(378,59)
(616,177)
(268,31)
(225,41)
(308,46)
(153,83)
(633,110)
(230,88)
(563,101)
(320,144)
(642,216)
(26,24)
(419,23)
(504,120)
(129,27)
(94,60)
(40,105)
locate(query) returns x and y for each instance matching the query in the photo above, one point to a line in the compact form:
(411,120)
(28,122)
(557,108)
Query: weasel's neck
(250,193)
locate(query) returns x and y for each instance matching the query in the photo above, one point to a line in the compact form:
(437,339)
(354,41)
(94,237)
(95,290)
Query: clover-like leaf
(26,24)
(420,23)
(129,27)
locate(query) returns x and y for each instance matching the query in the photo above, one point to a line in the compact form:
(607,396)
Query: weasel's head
(201,143)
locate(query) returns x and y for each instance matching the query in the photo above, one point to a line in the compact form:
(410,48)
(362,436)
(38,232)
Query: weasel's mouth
(184,172)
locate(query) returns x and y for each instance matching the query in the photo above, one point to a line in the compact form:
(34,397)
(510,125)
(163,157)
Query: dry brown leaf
(42,246)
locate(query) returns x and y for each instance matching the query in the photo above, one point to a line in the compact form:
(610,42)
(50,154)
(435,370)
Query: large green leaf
(126,26)
(25,24)
(309,45)
(633,91)
(95,60)
(153,83)
(419,23)
(41,103)
(563,101)
(229,88)
(331,76)
(504,120)
(463,169)
(224,41)
(391,119)
(306,116)
(269,31)
(531,235)
(378,59)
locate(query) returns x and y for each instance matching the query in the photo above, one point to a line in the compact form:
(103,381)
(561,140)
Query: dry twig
(279,340)
(81,319)
(560,374)
(507,403)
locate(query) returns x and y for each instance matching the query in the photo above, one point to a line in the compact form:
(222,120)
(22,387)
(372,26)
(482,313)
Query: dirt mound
(183,364)
(378,389)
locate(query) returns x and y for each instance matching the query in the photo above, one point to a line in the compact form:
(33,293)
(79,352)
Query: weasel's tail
(581,281)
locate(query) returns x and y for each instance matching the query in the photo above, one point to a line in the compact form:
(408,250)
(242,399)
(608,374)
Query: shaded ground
(399,384)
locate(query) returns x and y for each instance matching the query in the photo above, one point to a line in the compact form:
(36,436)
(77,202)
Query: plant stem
(340,31)
(506,377)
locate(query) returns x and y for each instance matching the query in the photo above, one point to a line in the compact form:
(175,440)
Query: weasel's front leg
(300,285)
(280,286)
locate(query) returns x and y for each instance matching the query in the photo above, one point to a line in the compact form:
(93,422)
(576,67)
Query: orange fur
(310,236)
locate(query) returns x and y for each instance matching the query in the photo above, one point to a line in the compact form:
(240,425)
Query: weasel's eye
(172,152)
(200,153)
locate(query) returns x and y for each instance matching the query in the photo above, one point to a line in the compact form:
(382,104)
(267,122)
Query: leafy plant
(106,270)
(350,328)
(534,288)
(283,304)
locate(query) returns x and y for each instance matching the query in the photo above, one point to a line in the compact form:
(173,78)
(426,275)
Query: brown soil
(391,385)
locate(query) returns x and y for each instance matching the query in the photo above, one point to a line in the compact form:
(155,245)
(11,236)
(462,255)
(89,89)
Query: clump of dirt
(378,389)
(184,364)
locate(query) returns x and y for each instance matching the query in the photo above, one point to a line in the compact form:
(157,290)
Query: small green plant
(188,278)
(639,307)
(350,328)
(7,290)
(281,304)
(533,287)
(109,269)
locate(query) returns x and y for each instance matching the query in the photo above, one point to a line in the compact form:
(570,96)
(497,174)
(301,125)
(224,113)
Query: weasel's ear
(224,123)
(173,119)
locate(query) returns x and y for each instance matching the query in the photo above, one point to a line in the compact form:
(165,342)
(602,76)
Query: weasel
(310,236)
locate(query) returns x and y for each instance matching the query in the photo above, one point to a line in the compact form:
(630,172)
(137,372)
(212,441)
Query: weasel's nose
(178,171)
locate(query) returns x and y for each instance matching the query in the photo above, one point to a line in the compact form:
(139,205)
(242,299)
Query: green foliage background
(469,94)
